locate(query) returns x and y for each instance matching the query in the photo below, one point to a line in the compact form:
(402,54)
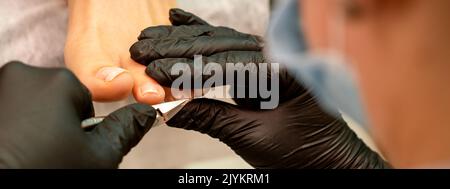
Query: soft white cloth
(33,31)
(249,16)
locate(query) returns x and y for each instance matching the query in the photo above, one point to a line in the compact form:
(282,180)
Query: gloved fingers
(180,17)
(221,65)
(215,118)
(214,65)
(120,131)
(237,56)
(79,94)
(166,71)
(83,102)
(58,80)
(160,32)
(161,70)
(148,50)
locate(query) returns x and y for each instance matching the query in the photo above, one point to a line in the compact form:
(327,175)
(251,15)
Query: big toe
(108,83)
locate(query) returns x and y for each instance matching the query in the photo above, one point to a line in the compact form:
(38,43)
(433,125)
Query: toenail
(109,73)
(149,89)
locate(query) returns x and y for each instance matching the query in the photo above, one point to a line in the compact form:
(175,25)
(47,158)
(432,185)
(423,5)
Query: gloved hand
(188,40)
(40,122)
(297,134)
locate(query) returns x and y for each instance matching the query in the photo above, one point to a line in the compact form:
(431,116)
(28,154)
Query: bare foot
(97,48)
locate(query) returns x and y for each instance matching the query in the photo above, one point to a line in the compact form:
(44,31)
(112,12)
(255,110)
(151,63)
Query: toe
(146,90)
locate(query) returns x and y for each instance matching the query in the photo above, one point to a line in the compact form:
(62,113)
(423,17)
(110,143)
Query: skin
(399,50)
(99,35)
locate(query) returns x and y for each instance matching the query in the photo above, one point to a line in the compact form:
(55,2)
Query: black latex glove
(297,134)
(40,122)
(186,41)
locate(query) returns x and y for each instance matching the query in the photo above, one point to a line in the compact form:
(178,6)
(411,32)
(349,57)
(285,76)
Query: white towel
(33,31)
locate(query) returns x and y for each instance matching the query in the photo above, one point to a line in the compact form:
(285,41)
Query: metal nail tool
(164,112)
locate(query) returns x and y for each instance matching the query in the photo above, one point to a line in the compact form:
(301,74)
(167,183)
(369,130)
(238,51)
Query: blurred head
(400,50)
